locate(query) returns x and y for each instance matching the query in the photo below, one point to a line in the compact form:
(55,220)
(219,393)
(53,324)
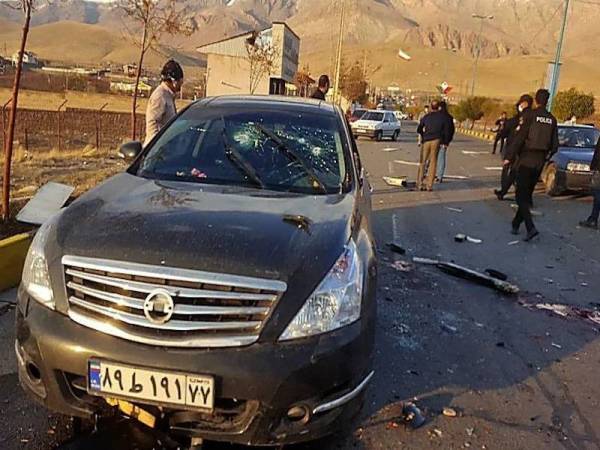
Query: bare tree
(262,56)
(155,18)
(27,7)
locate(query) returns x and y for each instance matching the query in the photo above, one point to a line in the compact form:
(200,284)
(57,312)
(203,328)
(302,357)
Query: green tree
(573,103)
(472,109)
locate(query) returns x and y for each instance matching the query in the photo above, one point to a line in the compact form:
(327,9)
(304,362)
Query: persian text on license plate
(107,378)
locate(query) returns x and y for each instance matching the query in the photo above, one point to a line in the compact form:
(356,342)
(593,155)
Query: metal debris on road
(396,248)
(463,237)
(555,345)
(395,181)
(470,274)
(493,168)
(413,415)
(450,208)
(448,328)
(402,266)
(449,412)
(513,242)
(48,200)
(455,177)
(496,274)
(565,311)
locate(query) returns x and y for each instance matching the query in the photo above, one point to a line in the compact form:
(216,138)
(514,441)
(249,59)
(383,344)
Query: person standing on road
(433,130)
(161,104)
(592,221)
(441,161)
(499,129)
(509,172)
(322,88)
(536,139)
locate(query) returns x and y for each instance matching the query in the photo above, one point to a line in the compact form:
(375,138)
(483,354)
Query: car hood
(223,229)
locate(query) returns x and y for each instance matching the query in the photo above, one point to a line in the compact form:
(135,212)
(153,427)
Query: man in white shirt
(161,105)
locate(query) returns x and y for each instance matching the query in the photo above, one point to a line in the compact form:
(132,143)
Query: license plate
(154,386)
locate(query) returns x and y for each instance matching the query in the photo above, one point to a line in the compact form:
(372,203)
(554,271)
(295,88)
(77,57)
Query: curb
(13,251)
(478,134)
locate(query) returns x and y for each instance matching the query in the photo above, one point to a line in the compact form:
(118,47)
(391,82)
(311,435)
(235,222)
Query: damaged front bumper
(266,393)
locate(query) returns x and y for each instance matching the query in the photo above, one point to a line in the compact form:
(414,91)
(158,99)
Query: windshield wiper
(240,162)
(292,155)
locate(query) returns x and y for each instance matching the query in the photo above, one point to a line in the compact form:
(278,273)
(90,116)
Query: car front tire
(378,135)
(395,135)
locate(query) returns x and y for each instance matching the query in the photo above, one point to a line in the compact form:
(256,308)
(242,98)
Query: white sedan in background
(377,124)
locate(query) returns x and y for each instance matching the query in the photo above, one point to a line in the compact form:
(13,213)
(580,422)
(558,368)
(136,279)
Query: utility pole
(556,68)
(482,19)
(338,62)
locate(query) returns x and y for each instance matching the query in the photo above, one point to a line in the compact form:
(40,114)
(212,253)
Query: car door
(387,124)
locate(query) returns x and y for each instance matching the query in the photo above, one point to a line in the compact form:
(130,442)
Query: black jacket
(434,126)
(318,94)
(450,129)
(595,164)
(535,139)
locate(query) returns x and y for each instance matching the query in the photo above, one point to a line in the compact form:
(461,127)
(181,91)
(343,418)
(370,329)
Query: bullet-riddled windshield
(268,149)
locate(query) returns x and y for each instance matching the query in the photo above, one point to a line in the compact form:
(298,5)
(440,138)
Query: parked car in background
(569,167)
(357,114)
(401,115)
(224,284)
(377,124)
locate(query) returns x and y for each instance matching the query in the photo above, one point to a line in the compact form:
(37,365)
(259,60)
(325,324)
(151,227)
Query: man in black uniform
(322,88)
(535,140)
(509,173)
(499,129)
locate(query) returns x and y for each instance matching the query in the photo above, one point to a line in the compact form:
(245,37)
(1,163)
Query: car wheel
(356,137)
(551,181)
(395,135)
(378,136)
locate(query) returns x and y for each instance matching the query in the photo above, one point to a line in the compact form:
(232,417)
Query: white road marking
(390,149)
(456,177)
(493,168)
(407,163)
(471,152)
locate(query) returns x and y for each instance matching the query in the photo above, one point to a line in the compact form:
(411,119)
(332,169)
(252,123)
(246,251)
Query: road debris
(436,432)
(513,242)
(471,275)
(413,415)
(449,412)
(555,345)
(48,200)
(471,152)
(402,266)
(450,208)
(455,177)
(448,328)
(396,181)
(565,311)
(463,237)
(396,248)
(470,431)
(496,274)
(493,168)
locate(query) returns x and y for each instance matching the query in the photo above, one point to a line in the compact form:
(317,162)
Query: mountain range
(521,31)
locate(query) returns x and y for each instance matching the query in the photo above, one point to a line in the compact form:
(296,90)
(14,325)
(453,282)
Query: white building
(229,67)
(29,59)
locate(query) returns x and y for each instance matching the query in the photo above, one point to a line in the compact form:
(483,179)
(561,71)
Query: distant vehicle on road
(357,114)
(401,115)
(569,168)
(377,124)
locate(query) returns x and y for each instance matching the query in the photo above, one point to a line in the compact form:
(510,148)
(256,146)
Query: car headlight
(335,303)
(575,166)
(36,279)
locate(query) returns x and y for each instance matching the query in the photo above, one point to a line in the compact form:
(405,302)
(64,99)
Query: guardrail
(478,134)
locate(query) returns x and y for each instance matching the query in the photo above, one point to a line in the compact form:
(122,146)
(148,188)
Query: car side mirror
(130,150)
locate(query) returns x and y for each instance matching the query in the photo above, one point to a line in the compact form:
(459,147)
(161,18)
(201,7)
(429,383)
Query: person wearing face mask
(161,104)
(507,179)
(535,140)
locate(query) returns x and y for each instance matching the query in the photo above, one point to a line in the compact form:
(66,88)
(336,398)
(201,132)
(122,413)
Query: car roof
(577,125)
(267,101)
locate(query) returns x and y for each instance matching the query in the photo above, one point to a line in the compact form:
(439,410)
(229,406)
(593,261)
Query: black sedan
(222,288)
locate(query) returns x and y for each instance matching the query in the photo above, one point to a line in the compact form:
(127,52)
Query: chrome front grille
(208,309)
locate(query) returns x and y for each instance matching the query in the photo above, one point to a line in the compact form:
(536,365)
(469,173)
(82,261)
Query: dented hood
(225,229)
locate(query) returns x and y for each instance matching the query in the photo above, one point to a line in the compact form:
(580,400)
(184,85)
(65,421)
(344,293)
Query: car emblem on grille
(159,306)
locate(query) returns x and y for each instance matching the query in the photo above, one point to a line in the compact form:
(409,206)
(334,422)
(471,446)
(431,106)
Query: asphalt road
(517,377)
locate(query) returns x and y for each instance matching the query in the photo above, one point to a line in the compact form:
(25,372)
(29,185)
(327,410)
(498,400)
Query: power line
(548,21)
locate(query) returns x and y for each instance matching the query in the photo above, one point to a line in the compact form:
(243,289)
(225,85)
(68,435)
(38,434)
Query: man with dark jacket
(441,161)
(322,88)
(432,130)
(536,139)
(499,129)
(509,173)
(592,221)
